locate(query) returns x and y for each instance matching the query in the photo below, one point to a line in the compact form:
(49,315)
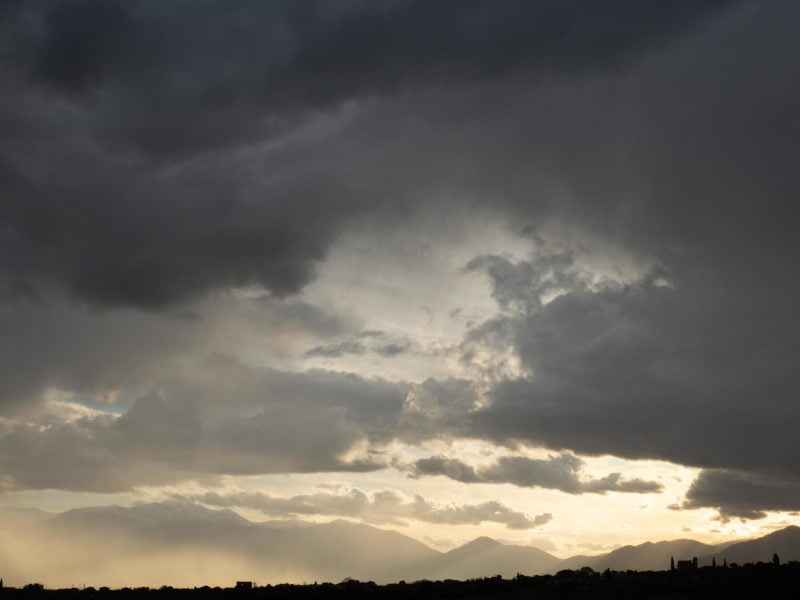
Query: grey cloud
(377,342)
(520,285)
(742,495)
(615,482)
(296,315)
(72,455)
(477,513)
(380,507)
(215,417)
(562,472)
(352,346)
(96,356)
(650,371)
(112,357)
(449,467)
(157,253)
(187,417)
(543,519)
(436,409)
(134,169)
(281,56)
(393,349)
(684,159)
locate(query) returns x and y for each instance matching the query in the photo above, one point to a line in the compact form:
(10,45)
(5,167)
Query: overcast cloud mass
(521,246)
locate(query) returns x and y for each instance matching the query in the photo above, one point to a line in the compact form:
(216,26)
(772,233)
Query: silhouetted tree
(33,587)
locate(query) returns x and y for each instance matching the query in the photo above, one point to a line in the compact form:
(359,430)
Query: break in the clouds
(177,181)
(385,506)
(562,472)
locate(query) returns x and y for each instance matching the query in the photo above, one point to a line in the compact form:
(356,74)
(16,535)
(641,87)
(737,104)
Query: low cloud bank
(561,472)
(380,507)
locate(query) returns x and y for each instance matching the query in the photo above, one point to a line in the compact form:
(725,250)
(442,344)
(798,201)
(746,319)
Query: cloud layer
(380,507)
(142,168)
(562,472)
(216,417)
(159,156)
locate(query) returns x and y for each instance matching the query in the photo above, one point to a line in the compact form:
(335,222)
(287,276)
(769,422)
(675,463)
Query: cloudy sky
(521,269)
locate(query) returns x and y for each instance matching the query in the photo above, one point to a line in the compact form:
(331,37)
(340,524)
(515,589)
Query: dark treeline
(760,580)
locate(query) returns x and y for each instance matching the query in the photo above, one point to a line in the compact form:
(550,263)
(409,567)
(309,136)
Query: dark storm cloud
(562,472)
(241,60)
(742,495)
(200,149)
(101,98)
(645,370)
(380,507)
(696,361)
(128,238)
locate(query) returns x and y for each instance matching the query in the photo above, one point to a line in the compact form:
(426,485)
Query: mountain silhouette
(13,518)
(484,557)
(168,516)
(272,551)
(478,545)
(185,544)
(784,542)
(649,556)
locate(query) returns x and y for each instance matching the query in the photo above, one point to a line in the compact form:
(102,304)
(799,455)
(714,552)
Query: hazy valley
(184,544)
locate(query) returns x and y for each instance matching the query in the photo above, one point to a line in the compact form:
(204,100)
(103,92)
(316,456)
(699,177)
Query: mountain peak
(480,544)
(168,512)
(789,530)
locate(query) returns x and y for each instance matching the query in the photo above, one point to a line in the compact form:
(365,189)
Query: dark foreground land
(760,580)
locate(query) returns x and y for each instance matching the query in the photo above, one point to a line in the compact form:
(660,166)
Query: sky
(525,269)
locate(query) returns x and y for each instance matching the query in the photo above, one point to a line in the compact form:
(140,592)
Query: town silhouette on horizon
(758,571)
(683,579)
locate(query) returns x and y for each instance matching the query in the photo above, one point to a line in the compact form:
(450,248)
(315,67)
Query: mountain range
(187,544)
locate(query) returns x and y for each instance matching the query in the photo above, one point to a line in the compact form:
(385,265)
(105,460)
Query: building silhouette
(684,566)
